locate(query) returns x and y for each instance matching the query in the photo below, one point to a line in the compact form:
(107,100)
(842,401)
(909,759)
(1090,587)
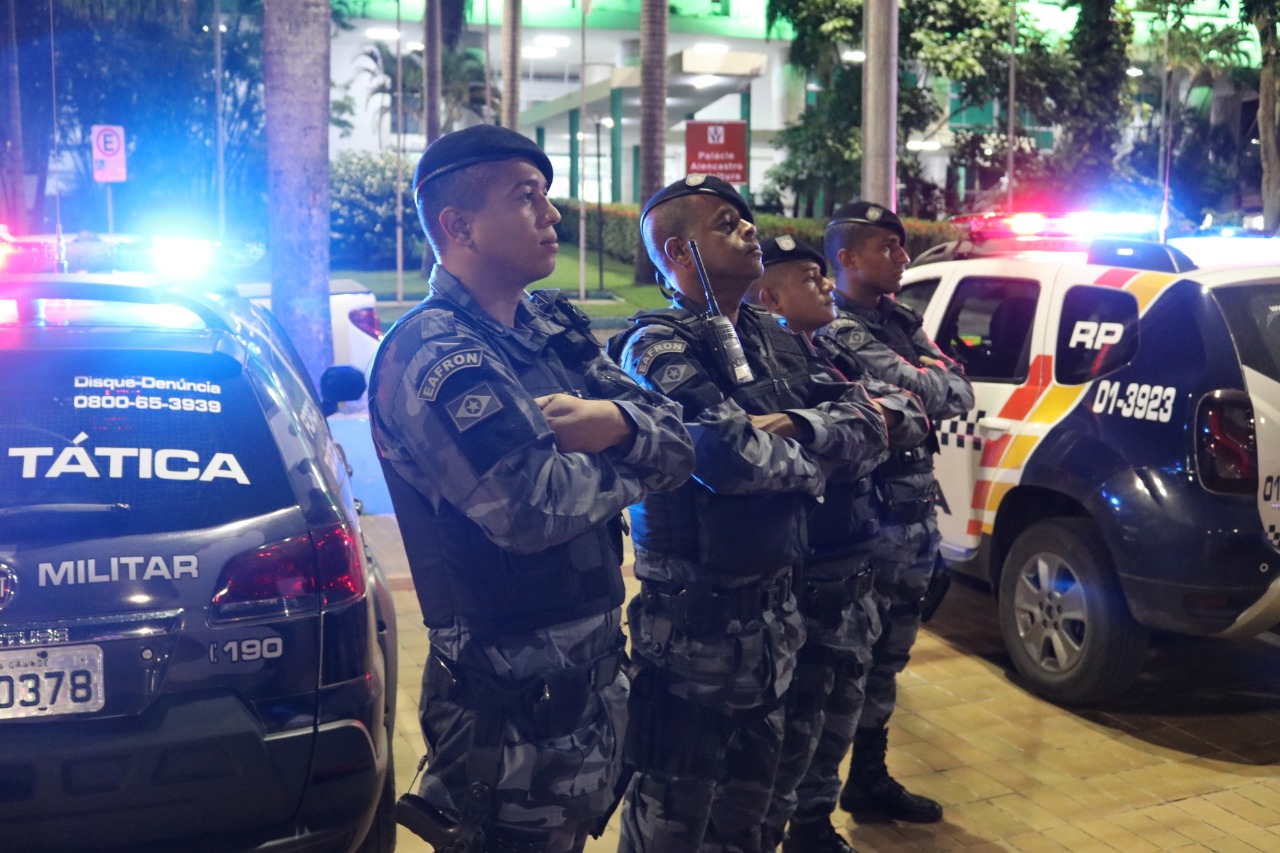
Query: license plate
(51,681)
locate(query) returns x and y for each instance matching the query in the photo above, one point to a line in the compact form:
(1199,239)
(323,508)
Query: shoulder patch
(673,376)
(448,365)
(654,350)
(847,331)
(473,406)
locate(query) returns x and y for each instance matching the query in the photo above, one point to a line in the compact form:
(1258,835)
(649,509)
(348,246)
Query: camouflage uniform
(707,708)
(461,437)
(825,697)
(885,341)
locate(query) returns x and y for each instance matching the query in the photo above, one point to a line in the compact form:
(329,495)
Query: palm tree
(511,12)
(653,112)
(1265,16)
(443,22)
(382,69)
(296,79)
(12,203)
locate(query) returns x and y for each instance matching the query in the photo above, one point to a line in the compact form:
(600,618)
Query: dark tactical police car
(196,650)
(1120,470)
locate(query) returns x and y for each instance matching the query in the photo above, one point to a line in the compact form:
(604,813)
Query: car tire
(381,837)
(1063,615)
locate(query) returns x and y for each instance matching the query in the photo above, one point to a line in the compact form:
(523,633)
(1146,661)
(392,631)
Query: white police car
(1120,471)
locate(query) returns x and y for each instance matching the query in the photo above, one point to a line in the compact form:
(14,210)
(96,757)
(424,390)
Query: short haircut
(846,235)
(667,220)
(765,280)
(466,189)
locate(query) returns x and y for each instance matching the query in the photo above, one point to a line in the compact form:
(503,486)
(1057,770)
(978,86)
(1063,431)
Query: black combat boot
(872,791)
(816,836)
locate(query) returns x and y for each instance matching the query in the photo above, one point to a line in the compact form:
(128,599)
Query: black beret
(777,250)
(869,213)
(699,183)
(479,143)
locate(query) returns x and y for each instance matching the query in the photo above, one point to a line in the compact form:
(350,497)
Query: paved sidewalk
(1188,762)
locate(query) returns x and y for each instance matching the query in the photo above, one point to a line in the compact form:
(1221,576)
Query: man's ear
(456,226)
(677,251)
(845,258)
(769,300)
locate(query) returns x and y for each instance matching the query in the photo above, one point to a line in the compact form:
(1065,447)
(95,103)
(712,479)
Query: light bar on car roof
(1072,224)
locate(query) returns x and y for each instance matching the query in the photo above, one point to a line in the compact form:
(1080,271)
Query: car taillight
(366,320)
(295,575)
(339,573)
(1227,444)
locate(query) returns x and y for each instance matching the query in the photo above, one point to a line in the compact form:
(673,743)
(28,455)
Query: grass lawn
(622,300)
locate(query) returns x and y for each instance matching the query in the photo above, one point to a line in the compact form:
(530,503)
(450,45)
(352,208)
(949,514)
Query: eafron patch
(448,365)
(655,350)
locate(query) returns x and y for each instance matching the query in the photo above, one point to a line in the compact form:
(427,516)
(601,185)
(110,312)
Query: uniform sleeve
(943,387)
(661,453)
(914,425)
(455,423)
(848,429)
(733,457)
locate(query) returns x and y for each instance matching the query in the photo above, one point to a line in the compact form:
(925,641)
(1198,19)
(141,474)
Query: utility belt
(896,511)
(824,601)
(704,609)
(917,460)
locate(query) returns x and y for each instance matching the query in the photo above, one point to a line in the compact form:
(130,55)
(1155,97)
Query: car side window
(987,327)
(916,295)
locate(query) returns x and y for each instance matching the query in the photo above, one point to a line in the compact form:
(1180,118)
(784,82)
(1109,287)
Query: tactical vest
(731,535)
(846,519)
(458,572)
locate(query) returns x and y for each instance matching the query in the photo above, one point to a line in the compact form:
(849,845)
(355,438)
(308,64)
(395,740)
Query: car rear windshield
(1253,314)
(124,442)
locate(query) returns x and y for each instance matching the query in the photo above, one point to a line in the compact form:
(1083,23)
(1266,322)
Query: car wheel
(1064,617)
(381,837)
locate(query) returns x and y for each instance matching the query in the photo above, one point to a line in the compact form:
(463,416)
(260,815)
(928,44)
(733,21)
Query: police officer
(510,444)
(865,243)
(715,628)
(836,597)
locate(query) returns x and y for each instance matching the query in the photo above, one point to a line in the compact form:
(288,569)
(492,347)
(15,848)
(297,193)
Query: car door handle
(996,425)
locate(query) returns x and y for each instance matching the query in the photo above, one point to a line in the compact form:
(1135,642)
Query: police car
(1120,471)
(196,650)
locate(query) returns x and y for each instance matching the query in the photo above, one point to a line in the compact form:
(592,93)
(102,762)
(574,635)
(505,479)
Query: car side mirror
(338,384)
(1097,333)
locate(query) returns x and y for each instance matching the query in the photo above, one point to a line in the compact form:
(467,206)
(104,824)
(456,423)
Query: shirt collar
(532,326)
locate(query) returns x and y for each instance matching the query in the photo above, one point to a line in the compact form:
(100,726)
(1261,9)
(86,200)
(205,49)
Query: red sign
(717,148)
(108,153)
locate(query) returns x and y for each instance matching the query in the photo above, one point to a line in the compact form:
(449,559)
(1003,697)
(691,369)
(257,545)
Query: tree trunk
(431,72)
(511,64)
(295,48)
(1267,130)
(13,201)
(431,85)
(653,114)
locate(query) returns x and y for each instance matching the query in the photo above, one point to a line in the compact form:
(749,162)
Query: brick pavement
(1187,762)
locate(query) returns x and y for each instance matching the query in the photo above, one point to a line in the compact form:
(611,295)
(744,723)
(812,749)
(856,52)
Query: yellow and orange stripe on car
(1041,402)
